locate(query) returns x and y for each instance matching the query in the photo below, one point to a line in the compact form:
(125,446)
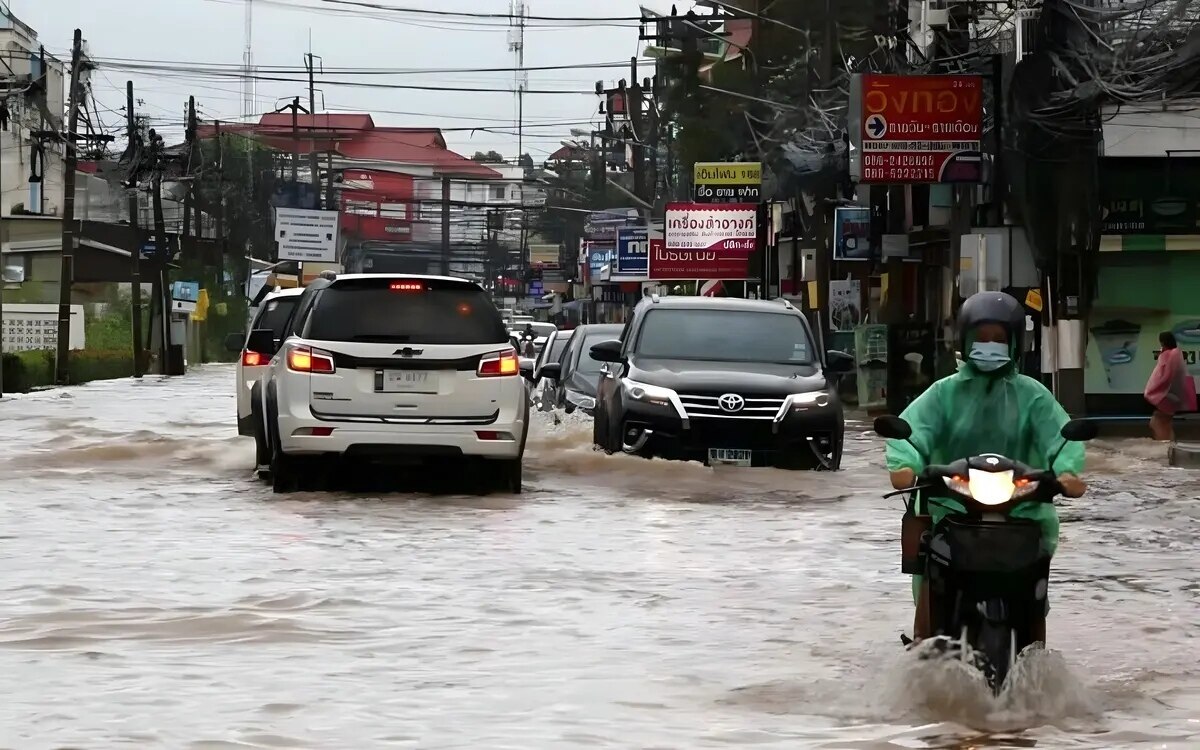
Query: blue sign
(535,289)
(852,233)
(151,251)
(599,257)
(633,252)
(185,291)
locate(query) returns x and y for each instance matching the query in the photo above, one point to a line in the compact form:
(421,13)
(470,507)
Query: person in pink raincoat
(1170,389)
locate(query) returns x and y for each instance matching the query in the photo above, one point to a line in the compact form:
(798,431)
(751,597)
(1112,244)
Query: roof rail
(329,275)
(786,303)
(655,298)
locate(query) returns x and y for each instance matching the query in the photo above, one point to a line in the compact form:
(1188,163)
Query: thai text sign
(725,229)
(727,182)
(672,265)
(35,327)
(633,251)
(922,128)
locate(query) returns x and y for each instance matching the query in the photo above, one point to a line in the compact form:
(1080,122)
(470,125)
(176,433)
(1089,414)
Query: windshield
(557,348)
(437,312)
(587,365)
(725,336)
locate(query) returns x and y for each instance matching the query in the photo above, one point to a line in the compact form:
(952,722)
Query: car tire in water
(285,469)
(506,476)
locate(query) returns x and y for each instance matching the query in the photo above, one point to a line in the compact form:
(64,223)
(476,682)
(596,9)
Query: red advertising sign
(690,265)
(729,229)
(918,129)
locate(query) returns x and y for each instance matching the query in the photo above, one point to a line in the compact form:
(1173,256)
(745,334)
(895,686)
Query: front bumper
(665,432)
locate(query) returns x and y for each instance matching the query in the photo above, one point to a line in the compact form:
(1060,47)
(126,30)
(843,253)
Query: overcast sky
(212,32)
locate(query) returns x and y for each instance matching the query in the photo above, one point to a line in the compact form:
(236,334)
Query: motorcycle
(987,571)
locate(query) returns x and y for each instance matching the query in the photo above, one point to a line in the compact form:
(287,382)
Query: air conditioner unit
(937,17)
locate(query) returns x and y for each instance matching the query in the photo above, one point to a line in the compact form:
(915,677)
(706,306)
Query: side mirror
(893,428)
(606,351)
(551,371)
(234,341)
(839,363)
(1080,430)
(262,340)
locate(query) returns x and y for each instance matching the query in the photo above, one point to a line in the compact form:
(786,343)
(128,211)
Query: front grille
(698,406)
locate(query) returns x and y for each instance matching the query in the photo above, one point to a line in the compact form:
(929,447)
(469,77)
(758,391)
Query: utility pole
(445,225)
(135,257)
(313,165)
(633,105)
(67,270)
(295,140)
(163,289)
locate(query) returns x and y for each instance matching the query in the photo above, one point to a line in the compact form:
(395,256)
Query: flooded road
(155,595)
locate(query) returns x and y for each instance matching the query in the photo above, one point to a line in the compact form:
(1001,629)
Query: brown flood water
(156,596)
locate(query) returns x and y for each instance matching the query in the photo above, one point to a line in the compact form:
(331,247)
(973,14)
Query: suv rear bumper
(500,439)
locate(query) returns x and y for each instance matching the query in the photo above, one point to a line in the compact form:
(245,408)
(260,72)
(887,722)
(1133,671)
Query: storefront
(1148,279)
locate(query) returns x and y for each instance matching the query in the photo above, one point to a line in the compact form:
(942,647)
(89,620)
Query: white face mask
(989,356)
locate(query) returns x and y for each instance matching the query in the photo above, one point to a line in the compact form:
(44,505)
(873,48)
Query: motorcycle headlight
(990,487)
(649,394)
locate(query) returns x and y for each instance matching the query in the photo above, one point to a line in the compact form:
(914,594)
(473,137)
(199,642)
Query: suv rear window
(406,311)
(275,314)
(725,336)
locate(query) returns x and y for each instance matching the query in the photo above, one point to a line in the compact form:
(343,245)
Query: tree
(491,157)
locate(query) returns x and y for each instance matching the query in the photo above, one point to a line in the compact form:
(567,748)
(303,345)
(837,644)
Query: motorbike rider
(987,406)
(528,336)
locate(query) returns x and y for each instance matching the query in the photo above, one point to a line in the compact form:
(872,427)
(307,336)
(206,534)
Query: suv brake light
(307,359)
(499,364)
(407,286)
(254,359)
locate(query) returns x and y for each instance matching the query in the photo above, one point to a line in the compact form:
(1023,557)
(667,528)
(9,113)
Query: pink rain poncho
(1170,388)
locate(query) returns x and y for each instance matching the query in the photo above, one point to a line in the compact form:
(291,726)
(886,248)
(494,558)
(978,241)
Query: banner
(1123,349)
(727,182)
(689,265)
(725,229)
(845,304)
(633,251)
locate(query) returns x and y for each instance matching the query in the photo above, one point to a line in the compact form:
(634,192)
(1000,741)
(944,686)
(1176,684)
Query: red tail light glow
(499,364)
(407,286)
(307,359)
(254,359)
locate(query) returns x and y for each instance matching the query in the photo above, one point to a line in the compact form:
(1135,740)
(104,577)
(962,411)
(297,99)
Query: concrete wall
(1153,130)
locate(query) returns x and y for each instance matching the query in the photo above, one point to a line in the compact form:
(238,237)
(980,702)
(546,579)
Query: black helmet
(992,307)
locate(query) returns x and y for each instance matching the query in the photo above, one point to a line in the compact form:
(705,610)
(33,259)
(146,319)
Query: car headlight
(805,400)
(582,400)
(649,394)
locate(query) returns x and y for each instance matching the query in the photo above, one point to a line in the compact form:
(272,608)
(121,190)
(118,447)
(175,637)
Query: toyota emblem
(731,403)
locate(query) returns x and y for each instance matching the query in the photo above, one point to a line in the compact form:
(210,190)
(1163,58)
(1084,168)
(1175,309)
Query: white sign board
(34,327)
(702,226)
(307,236)
(845,304)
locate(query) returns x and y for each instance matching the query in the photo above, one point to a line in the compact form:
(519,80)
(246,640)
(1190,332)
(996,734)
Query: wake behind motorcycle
(988,571)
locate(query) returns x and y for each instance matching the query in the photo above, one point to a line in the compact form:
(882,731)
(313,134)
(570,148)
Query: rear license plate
(405,381)
(729,457)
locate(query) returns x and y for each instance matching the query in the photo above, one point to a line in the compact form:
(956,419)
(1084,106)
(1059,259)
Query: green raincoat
(969,413)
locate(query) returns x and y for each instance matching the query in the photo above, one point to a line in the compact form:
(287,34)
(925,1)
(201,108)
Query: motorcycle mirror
(1080,430)
(893,428)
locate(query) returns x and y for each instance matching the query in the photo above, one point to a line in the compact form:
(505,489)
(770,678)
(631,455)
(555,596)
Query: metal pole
(313,166)
(135,257)
(67,270)
(445,225)
(160,231)
(295,141)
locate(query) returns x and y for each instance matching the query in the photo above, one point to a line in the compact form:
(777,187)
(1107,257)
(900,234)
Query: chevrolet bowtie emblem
(408,351)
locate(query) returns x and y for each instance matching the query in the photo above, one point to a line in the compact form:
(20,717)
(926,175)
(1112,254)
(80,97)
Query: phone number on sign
(928,174)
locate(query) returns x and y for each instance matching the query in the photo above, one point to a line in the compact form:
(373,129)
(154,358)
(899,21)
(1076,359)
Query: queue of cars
(423,370)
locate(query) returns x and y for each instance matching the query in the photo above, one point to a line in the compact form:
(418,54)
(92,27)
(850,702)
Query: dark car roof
(719,303)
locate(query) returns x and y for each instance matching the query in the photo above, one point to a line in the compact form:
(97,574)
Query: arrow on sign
(876,126)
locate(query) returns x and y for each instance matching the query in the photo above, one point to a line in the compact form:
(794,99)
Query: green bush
(99,364)
(24,371)
(111,330)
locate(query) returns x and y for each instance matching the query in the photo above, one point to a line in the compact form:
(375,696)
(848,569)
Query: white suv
(393,369)
(273,312)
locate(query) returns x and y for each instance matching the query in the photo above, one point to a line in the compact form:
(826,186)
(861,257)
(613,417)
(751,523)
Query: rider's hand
(1072,486)
(902,479)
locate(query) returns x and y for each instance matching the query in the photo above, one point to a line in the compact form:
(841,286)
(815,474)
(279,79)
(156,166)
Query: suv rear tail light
(499,364)
(307,359)
(254,359)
